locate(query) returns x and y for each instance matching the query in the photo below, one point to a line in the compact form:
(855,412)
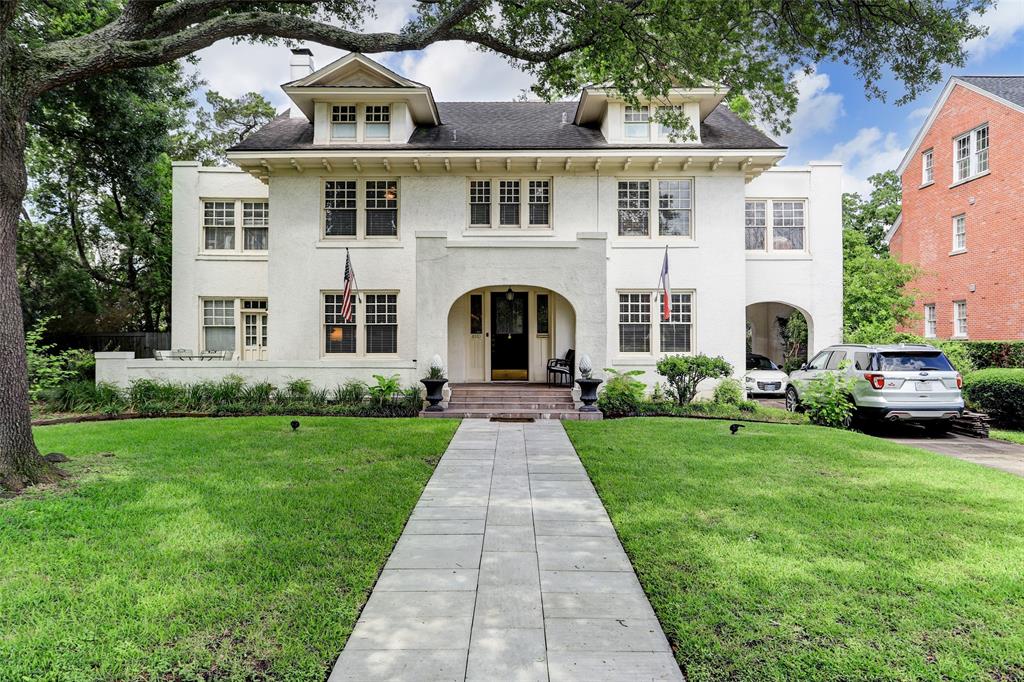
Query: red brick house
(963,211)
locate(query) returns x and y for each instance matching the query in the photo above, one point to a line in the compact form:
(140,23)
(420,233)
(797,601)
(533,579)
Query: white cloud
(868,152)
(1004,22)
(817,109)
(456,71)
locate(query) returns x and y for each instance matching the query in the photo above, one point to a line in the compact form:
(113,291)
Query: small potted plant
(435,381)
(588,385)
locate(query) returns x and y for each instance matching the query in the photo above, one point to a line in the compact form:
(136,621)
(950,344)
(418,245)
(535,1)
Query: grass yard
(1012,436)
(789,552)
(205,548)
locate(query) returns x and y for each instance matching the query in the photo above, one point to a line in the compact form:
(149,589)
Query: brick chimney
(301,63)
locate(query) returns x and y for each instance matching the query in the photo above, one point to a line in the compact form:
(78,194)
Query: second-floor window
(378,121)
(360,208)
(775,224)
(343,122)
(927,167)
(507,203)
(235,225)
(970,154)
(674,215)
(930,321)
(959,233)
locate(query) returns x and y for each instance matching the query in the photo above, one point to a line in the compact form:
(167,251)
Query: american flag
(666,296)
(350,278)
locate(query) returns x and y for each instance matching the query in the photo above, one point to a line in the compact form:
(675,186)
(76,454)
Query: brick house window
(959,233)
(960,319)
(930,321)
(970,154)
(927,167)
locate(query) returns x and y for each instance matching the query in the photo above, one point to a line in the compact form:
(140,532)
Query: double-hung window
(343,122)
(930,321)
(218,324)
(510,202)
(372,327)
(340,208)
(675,207)
(959,233)
(230,223)
(665,130)
(960,319)
(634,208)
(378,121)
(675,334)
(635,322)
(480,203)
(637,123)
(970,154)
(381,208)
(643,327)
(928,167)
(786,219)
(674,214)
(360,208)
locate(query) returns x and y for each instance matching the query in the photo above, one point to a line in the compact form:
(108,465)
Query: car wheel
(792,400)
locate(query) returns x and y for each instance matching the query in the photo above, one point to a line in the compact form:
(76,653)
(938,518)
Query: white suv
(905,382)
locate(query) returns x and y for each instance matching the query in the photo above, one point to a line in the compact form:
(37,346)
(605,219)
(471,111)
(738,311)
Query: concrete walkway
(508,569)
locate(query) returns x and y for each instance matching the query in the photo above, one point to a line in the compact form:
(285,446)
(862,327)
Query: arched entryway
(508,333)
(776,333)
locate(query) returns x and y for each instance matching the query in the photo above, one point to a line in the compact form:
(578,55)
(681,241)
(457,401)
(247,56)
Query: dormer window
(378,121)
(638,123)
(665,130)
(343,122)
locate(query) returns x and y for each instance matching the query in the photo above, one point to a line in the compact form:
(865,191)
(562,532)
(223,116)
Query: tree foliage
(223,123)
(875,296)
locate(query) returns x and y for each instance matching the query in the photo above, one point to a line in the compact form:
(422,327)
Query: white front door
(255,345)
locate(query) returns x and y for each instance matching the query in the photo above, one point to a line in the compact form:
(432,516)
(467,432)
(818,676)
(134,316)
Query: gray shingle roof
(1010,88)
(508,125)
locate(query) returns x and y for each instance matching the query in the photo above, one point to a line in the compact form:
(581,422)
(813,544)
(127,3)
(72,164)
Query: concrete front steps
(511,401)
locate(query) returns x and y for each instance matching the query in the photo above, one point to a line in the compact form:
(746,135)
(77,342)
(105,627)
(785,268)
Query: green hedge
(999,393)
(985,354)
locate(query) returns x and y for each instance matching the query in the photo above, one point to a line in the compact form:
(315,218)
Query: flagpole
(355,281)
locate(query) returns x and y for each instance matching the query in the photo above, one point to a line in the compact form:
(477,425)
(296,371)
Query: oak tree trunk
(20,461)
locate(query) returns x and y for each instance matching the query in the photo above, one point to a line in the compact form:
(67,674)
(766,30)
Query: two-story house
(496,235)
(963,211)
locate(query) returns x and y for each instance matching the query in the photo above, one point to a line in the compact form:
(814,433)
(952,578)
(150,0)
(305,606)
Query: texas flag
(666,297)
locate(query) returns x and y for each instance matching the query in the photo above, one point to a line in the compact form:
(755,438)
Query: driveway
(997,454)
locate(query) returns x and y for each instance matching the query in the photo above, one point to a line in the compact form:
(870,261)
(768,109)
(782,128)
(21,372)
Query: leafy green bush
(352,392)
(728,392)
(684,373)
(999,393)
(957,354)
(985,354)
(622,392)
(385,389)
(747,410)
(827,401)
(46,368)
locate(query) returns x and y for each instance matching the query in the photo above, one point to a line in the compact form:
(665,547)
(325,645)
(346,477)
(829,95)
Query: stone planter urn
(434,393)
(435,381)
(588,393)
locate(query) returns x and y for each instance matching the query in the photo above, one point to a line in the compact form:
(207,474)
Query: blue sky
(833,121)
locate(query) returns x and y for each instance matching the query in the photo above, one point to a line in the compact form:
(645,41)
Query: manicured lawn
(795,552)
(205,548)
(1013,436)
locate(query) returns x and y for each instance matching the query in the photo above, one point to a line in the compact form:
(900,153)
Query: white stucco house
(497,235)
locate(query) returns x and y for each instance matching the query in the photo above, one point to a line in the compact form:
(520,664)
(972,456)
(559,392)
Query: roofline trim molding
(891,232)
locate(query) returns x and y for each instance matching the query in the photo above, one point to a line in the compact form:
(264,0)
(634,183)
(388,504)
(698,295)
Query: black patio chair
(562,371)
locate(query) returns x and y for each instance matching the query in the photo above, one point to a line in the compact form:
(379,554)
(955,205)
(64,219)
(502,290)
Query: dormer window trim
(636,122)
(356,123)
(343,120)
(377,119)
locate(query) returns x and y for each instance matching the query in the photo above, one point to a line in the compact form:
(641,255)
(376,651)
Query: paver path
(509,569)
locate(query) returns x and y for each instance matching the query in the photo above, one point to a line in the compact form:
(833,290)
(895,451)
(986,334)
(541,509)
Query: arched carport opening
(508,333)
(780,331)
